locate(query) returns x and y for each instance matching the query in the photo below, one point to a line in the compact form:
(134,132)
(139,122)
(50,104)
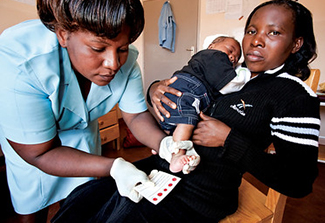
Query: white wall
(210,24)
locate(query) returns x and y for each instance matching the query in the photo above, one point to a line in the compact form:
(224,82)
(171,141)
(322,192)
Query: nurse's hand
(210,132)
(156,93)
(127,176)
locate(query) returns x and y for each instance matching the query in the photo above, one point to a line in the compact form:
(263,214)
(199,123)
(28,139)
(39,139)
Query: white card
(164,184)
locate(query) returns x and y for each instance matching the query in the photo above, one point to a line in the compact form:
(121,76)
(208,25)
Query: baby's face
(230,47)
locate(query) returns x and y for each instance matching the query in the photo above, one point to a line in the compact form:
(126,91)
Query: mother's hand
(210,132)
(157,91)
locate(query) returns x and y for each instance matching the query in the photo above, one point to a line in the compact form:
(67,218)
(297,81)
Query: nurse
(58,75)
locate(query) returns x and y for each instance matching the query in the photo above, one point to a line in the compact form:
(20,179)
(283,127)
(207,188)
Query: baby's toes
(190,158)
(185,160)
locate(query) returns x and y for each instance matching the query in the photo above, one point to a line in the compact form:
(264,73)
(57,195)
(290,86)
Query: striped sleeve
(300,130)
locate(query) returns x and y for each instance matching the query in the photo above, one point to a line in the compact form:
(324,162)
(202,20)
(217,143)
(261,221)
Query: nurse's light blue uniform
(40,97)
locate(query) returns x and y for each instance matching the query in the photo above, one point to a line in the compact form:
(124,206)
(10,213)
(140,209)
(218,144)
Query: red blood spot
(165,189)
(159,194)
(169,185)
(155,199)
(174,179)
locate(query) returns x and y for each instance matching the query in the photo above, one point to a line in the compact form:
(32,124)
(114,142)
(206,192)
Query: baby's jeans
(193,100)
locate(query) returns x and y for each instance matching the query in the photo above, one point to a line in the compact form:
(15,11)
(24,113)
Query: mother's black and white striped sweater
(276,108)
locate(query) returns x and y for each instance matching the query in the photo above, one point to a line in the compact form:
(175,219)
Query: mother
(275,106)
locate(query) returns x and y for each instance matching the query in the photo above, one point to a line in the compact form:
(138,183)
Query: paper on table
(164,184)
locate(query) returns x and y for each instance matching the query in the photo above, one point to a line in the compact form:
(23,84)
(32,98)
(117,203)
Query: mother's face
(269,38)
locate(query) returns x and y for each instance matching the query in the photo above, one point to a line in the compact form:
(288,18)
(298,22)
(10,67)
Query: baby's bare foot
(178,161)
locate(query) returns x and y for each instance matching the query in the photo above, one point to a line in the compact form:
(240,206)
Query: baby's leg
(182,132)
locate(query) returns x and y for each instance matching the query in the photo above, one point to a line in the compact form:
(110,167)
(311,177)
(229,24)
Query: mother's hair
(297,64)
(104,18)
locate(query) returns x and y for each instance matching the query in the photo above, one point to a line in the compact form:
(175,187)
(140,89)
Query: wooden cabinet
(109,127)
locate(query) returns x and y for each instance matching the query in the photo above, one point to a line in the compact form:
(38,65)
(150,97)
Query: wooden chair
(256,206)
(313,79)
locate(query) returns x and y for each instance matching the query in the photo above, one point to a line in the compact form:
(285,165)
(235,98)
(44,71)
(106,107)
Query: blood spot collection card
(164,184)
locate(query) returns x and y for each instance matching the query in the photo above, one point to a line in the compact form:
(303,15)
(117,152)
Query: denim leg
(193,100)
